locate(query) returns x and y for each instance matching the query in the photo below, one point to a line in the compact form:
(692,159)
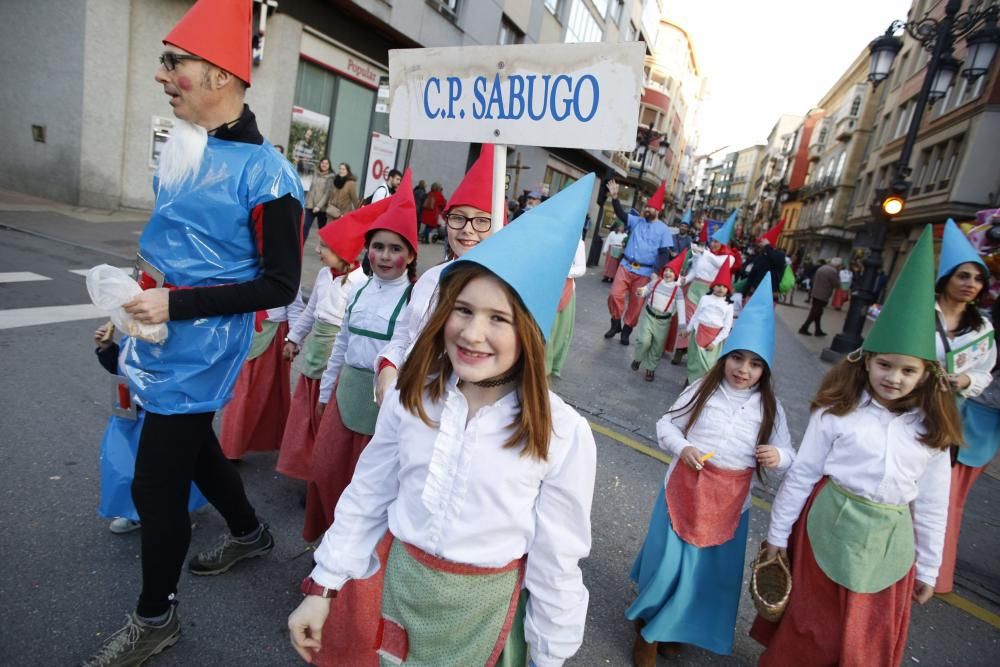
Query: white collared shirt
(665,298)
(713,311)
(980,375)
(371,312)
(411,322)
(327,302)
(457,493)
(728,426)
(873,453)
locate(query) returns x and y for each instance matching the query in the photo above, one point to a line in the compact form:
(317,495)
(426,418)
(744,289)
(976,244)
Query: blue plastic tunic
(201,235)
(644,240)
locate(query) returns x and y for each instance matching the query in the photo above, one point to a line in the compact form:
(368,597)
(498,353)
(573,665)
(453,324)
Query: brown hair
(843,385)
(428,368)
(711,383)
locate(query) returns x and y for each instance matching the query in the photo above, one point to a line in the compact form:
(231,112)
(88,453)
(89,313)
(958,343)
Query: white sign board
(381,158)
(571,95)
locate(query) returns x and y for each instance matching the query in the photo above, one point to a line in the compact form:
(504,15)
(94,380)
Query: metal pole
(863,296)
(499,183)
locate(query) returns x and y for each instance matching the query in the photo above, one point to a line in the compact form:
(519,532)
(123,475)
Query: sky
(765,58)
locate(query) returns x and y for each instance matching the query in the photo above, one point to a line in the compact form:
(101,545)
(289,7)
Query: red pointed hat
(724,277)
(401,215)
(677,263)
(703,234)
(476,189)
(656,201)
(771,235)
(218,31)
(345,236)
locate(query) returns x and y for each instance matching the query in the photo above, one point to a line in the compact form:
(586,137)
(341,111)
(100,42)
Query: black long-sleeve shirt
(277,227)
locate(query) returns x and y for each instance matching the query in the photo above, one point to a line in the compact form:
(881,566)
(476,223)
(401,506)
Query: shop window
(509,33)
(582,26)
(557,180)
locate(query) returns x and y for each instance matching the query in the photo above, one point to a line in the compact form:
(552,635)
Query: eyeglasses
(458,221)
(170,60)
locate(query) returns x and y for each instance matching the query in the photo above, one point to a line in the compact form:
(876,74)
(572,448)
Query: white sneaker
(122,525)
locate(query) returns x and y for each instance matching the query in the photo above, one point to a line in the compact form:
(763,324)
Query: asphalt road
(65,581)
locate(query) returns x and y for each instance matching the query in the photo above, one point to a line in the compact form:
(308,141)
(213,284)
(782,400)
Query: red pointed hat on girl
(476,189)
(656,201)
(771,235)
(401,214)
(677,263)
(218,31)
(345,236)
(724,277)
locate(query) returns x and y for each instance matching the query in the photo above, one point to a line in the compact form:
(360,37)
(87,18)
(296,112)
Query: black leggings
(175,450)
(815,315)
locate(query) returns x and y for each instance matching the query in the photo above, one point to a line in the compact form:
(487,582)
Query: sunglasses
(170,60)
(458,221)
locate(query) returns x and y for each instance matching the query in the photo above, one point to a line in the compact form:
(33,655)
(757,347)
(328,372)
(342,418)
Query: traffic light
(894,198)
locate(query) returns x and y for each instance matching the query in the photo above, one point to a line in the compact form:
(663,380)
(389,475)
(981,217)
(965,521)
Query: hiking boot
(616,326)
(122,525)
(634,366)
(650,376)
(626,332)
(231,551)
(137,642)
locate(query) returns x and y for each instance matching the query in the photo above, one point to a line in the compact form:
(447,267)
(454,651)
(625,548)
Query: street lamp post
(645,137)
(938,37)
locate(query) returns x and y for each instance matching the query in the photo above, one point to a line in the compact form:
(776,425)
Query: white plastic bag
(109,288)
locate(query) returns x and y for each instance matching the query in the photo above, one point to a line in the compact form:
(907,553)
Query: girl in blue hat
(719,430)
(483,477)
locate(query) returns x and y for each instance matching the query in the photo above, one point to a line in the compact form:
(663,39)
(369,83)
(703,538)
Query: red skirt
(300,430)
(962,479)
(611,265)
(827,624)
(349,634)
(334,458)
(254,420)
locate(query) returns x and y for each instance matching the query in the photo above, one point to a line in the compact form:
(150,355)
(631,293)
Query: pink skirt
(300,430)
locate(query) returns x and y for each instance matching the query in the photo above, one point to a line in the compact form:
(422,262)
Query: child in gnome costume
(664,299)
(862,510)
(557,344)
(223,242)
(313,333)
(254,420)
(483,477)
(701,272)
(710,324)
(468,221)
(966,347)
(690,568)
(373,309)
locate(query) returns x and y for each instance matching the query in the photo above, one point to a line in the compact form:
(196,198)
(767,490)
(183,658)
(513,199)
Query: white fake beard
(181,155)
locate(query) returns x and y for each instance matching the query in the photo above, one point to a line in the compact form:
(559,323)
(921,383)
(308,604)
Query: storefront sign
(381,158)
(572,95)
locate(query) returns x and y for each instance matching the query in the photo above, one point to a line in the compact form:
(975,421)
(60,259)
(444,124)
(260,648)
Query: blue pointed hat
(754,328)
(725,233)
(686,218)
(955,250)
(534,253)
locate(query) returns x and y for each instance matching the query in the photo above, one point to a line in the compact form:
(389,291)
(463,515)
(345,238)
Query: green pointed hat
(906,323)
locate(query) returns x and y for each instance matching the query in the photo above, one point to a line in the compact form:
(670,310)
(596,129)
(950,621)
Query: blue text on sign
(539,96)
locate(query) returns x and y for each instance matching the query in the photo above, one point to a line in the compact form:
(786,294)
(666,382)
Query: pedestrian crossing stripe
(14,318)
(953,599)
(21,277)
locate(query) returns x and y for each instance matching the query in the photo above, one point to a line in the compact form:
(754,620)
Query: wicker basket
(770,584)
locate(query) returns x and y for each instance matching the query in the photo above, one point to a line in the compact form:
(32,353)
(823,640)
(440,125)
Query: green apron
(262,339)
(356,386)
(317,348)
(862,545)
(451,617)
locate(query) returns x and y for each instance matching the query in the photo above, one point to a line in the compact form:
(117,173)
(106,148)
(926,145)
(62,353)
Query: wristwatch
(310,587)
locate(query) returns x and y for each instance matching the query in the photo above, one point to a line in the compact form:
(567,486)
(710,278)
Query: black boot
(616,326)
(626,332)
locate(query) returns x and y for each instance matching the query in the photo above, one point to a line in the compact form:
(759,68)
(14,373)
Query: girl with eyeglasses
(468,222)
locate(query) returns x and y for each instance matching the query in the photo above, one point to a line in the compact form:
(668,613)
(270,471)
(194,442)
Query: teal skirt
(687,594)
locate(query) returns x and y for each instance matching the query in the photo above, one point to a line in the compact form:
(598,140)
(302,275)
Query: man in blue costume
(223,242)
(646,252)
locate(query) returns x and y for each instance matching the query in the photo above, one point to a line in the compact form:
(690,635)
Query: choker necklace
(499,380)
